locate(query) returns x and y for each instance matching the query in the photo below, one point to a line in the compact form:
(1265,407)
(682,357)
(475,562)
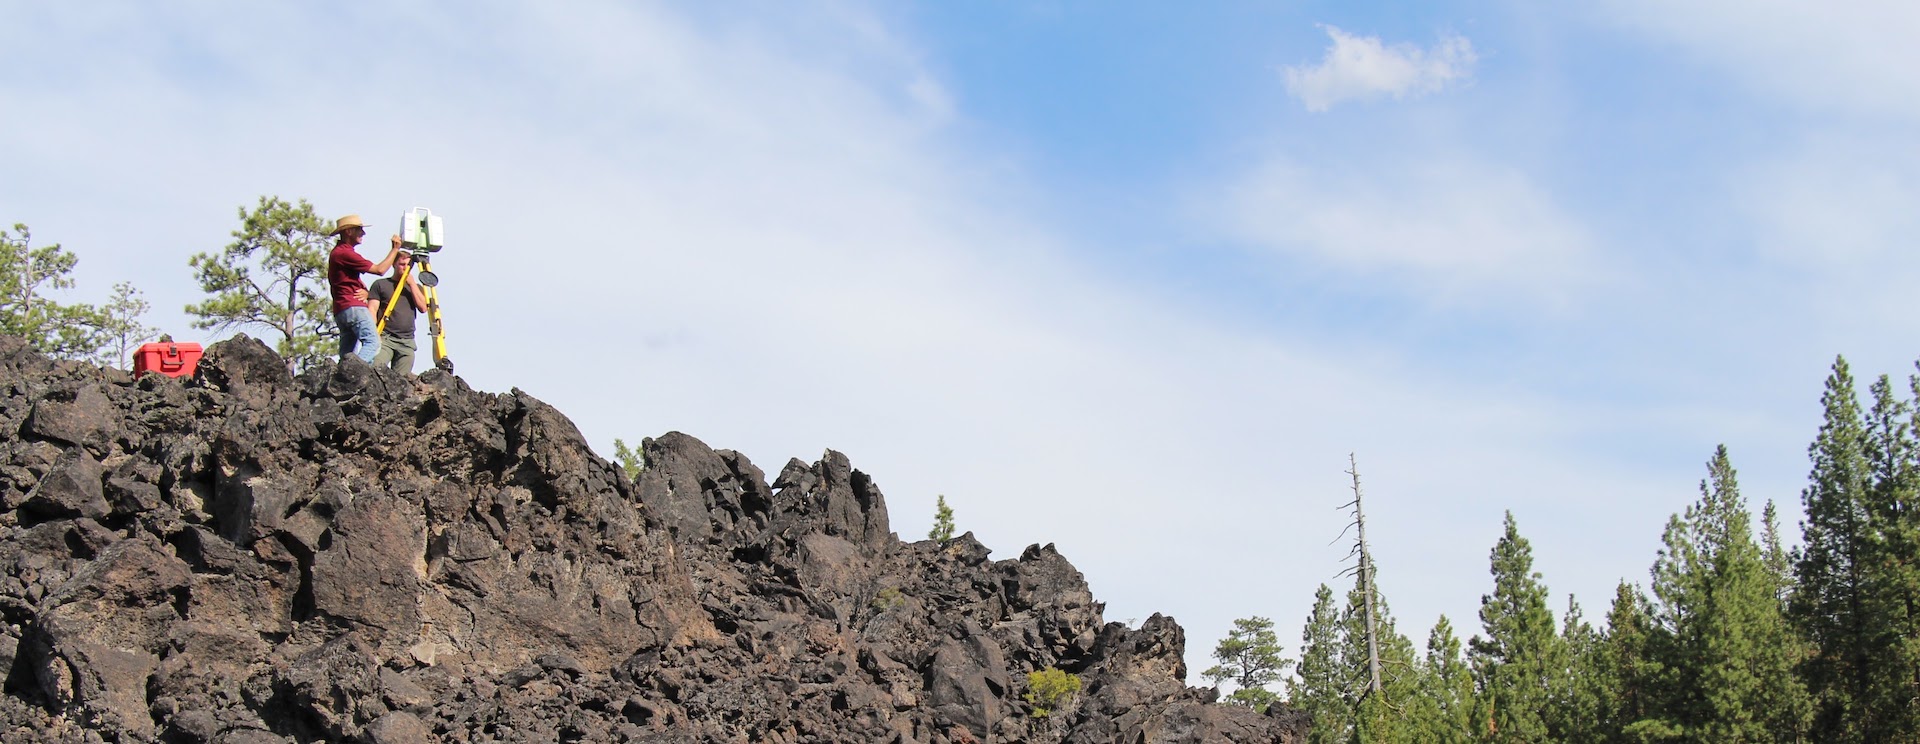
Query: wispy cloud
(1440,228)
(1820,202)
(1836,214)
(1840,57)
(1363,67)
(1832,203)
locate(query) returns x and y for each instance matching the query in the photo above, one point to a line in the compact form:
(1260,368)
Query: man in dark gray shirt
(396,337)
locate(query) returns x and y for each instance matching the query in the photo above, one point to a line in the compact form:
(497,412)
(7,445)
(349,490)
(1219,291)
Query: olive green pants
(396,352)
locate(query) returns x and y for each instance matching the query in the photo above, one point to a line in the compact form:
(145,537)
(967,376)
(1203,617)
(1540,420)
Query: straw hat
(352,220)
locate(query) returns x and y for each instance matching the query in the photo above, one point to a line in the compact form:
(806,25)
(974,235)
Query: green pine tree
(1627,671)
(1323,690)
(1251,659)
(28,277)
(120,331)
(1681,582)
(272,276)
(1443,710)
(1832,604)
(1720,617)
(1517,663)
(1580,694)
(942,520)
(1382,718)
(631,459)
(1790,649)
(1772,552)
(1893,497)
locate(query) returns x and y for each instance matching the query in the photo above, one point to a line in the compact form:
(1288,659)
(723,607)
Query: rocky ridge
(354,555)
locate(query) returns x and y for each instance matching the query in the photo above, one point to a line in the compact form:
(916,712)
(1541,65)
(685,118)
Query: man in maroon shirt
(344,267)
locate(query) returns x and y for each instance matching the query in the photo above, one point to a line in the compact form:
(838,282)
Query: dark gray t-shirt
(401,322)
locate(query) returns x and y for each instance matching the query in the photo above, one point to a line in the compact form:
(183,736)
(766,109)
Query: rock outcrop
(354,555)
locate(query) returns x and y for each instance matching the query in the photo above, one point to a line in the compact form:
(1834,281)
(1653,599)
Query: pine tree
(1779,562)
(1626,670)
(1250,658)
(1380,717)
(119,328)
(1515,665)
(1831,604)
(272,276)
(1681,584)
(1324,686)
(632,459)
(1444,707)
(1720,616)
(1580,694)
(1893,496)
(27,277)
(942,521)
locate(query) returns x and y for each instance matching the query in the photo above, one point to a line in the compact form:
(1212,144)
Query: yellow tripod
(434,326)
(421,229)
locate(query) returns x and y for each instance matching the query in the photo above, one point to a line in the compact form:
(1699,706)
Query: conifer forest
(1739,634)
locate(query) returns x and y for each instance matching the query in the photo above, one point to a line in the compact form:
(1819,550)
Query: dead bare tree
(1364,568)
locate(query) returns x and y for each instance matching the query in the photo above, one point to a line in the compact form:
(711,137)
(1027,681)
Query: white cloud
(1836,214)
(1832,202)
(932,97)
(1444,228)
(1845,57)
(1363,67)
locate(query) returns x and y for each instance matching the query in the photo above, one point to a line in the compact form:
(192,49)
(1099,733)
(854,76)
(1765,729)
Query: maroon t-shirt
(344,267)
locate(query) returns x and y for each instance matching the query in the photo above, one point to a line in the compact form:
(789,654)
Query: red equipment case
(166,357)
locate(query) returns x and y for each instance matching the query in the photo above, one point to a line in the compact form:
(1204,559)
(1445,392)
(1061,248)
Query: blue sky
(1130,280)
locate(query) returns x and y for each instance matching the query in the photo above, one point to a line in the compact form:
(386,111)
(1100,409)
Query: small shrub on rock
(1050,688)
(887,599)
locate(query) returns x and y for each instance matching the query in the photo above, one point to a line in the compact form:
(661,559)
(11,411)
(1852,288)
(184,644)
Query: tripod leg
(435,326)
(399,286)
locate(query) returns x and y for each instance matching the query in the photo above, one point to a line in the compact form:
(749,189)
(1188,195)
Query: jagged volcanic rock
(353,555)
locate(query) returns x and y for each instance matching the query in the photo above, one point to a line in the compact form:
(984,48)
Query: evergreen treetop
(1516,662)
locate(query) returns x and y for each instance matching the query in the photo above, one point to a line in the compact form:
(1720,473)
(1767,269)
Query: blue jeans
(357,330)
